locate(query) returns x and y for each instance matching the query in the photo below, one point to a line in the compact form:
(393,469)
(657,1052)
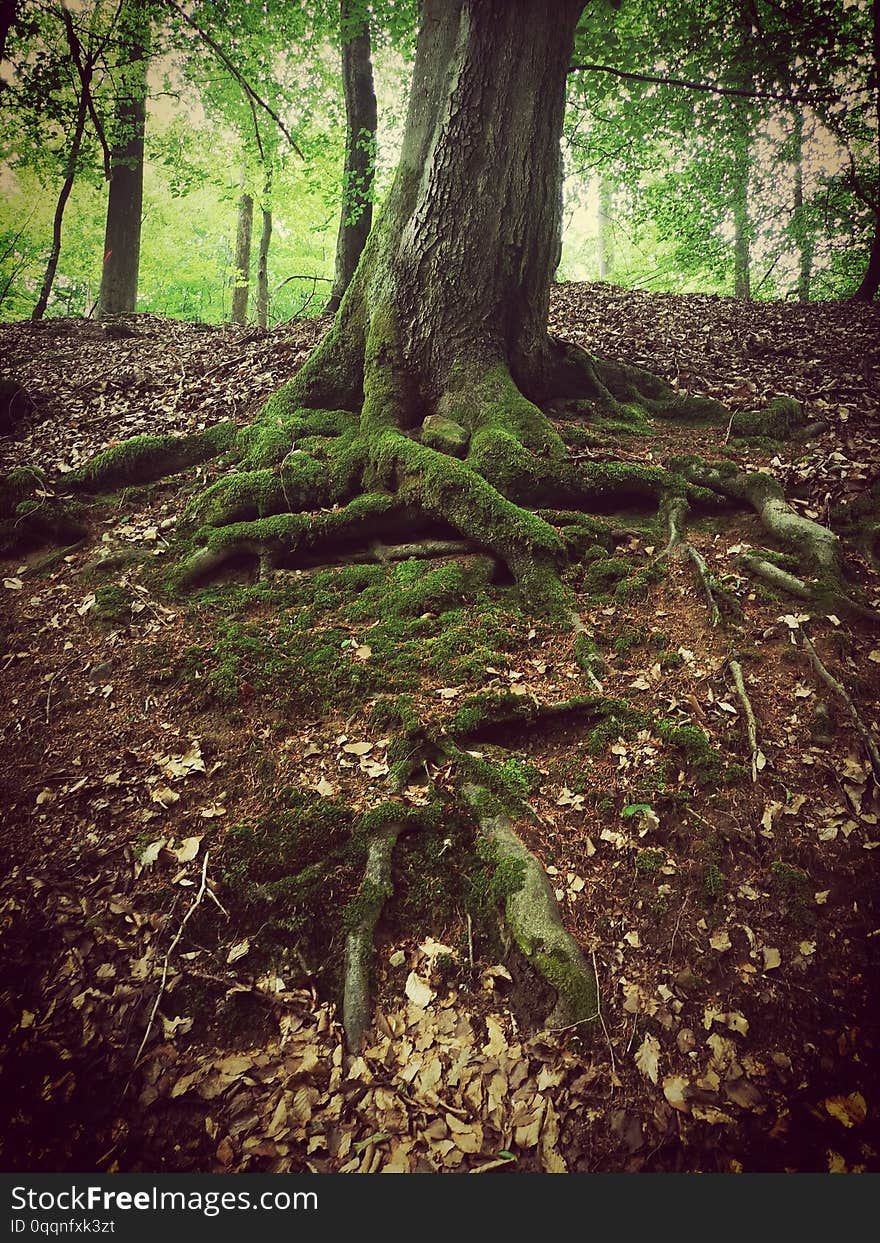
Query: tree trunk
(741,256)
(241,285)
(604,243)
(263,268)
(72,160)
(799,221)
(122,238)
(356,214)
(867,290)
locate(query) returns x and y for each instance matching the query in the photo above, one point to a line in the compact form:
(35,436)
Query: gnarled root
(533,920)
(375,890)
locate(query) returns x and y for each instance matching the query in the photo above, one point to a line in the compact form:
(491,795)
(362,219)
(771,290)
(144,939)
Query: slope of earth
(181,775)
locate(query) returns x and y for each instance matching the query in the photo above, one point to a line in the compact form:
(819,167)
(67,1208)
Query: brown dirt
(739,996)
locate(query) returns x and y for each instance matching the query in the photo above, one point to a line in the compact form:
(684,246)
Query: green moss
(600,576)
(624,643)
(793,890)
(638,585)
(112,604)
(649,862)
(143,459)
(781,420)
(278,870)
(671,660)
(704,761)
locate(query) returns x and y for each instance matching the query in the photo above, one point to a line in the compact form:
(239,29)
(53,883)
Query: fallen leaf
(188,849)
(418,990)
(238,950)
(647,1057)
(850,1111)
(674,1089)
(772,958)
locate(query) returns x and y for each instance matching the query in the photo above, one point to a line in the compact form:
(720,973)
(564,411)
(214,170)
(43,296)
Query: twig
(171,949)
(861,728)
(601,1018)
(470,930)
(751,727)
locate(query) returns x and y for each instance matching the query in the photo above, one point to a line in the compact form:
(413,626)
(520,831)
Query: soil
(148,1024)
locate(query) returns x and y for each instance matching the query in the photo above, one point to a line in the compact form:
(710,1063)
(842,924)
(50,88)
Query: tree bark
(241,286)
(449,279)
(122,238)
(356,216)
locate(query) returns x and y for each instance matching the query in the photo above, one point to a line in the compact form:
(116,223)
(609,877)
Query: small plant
(649,862)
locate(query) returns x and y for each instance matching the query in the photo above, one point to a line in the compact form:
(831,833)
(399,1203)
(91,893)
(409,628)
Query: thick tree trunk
(450,281)
(356,216)
(604,242)
(241,286)
(122,238)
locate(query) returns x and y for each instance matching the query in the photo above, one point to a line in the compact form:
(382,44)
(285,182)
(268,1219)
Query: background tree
(122,237)
(356,214)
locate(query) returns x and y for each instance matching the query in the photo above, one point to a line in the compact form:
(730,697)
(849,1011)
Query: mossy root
(532,917)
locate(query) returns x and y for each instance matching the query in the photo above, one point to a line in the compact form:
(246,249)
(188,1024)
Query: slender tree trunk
(799,222)
(122,237)
(867,290)
(263,254)
(72,160)
(604,243)
(241,286)
(356,214)
(741,255)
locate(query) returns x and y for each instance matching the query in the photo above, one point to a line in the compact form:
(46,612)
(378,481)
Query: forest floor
(163,1007)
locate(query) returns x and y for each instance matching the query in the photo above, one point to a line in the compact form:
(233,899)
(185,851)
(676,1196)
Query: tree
(440,349)
(242,277)
(122,237)
(356,215)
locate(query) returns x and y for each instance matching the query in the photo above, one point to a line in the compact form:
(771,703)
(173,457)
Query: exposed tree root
(776,577)
(532,918)
(840,690)
(675,511)
(375,890)
(757,756)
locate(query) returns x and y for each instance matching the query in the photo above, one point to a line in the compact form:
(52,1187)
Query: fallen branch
(861,728)
(757,756)
(171,948)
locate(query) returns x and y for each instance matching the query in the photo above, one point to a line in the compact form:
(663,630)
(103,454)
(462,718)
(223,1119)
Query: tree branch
(239,77)
(786,98)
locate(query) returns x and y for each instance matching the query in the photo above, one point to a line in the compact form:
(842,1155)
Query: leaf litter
(732,931)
